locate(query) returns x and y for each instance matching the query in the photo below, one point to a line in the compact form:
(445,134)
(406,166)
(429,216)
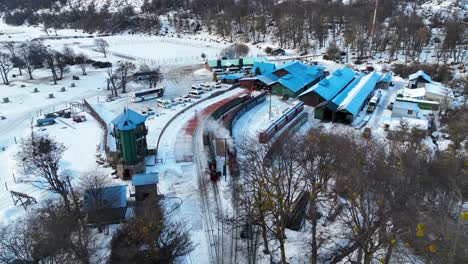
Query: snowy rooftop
(438,89)
(419,73)
(413,93)
(357,95)
(332,85)
(335,102)
(145,179)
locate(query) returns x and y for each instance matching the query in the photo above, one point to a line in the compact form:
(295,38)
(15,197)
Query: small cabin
(106,205)
(405,109)
(145,185)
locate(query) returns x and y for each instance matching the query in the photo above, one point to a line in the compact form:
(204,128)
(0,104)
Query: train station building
(289,79)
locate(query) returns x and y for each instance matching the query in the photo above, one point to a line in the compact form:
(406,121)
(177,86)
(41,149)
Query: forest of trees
(389,200)
(303,25)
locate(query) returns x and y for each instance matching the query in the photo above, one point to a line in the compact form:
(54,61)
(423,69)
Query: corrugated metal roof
(263,66)
(300,75)
(438,90)
(234,76)
(337,100)
(386,78)
(106,197)
(128,119)
(144,179)
(421,73)
(356,97)
(333,84)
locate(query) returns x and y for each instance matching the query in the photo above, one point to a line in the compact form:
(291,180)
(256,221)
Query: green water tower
(130,137)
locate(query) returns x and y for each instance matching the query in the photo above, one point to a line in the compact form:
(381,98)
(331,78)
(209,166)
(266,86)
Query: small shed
(384,81)
(106,205)
(405,109)
(419,79)
(145,185)
(231,78)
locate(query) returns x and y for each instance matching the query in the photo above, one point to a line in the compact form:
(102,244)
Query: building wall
(142,192)
(106,215)
(403,112)
(311,99)
(125,171)
(128,145)
(437,98)
(280,90)
(249,84)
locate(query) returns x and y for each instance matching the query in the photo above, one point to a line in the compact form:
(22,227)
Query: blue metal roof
(128,120)
(234,76)
(329,87)
(386,78)
(263,66)
(300,75)
(106,197)
(356,96)
(421,73)
(336,101)
(144,179)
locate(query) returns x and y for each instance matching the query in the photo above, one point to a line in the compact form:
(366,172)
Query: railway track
(211,225)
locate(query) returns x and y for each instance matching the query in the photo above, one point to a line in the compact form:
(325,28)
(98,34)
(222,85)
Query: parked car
(79,118)
(149,111)
(186,98)
(164,103)
(45,121)
(195,94)
(207,88)
(175,101)
(197,88)
(216,85)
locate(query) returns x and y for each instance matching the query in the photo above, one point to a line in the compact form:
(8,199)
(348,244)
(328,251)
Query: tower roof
(128,119)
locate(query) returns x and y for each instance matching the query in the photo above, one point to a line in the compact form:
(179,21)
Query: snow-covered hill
(114,5)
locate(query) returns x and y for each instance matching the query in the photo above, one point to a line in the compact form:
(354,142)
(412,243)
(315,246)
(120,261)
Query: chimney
(241,62)
(218,63)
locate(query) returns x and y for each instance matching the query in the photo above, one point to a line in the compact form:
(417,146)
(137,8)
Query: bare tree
(40,157)
(150,237)
(16,242)
(51,62)
(102,46)
(123,74)
(83,61)
(277,182)
(150,76)
(33,55)
(5,67)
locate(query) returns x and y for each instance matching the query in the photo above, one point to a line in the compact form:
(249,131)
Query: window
(410,112)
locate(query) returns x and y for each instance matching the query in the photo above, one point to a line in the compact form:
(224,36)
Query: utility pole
(373,27)
(269,111)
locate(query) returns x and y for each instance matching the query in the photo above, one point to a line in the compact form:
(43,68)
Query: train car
(374,101)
